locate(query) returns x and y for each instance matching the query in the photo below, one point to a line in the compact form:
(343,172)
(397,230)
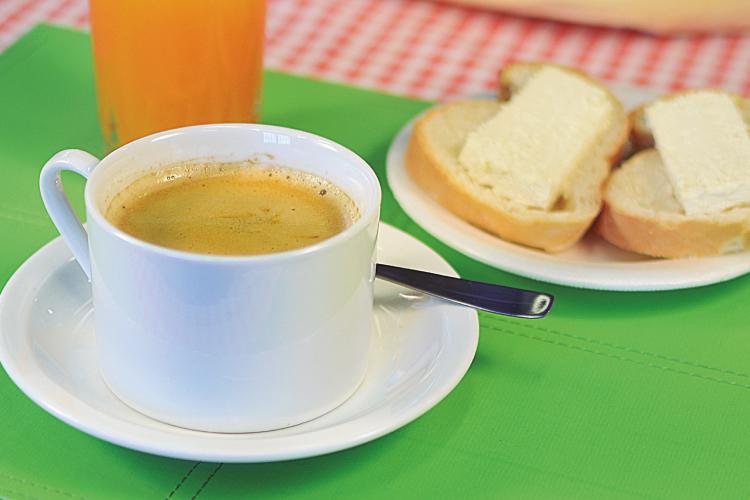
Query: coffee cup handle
(58,206)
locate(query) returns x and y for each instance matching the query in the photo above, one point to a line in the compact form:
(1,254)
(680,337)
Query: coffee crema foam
(241,208)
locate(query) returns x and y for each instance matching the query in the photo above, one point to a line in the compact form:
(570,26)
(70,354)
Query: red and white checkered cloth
(432,50)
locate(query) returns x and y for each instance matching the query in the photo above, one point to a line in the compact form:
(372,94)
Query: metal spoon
(488,297)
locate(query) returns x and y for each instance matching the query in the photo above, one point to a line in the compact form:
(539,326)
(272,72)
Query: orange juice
(170,63)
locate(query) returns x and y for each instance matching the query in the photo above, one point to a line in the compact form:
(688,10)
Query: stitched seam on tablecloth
(184,478)
(40,486)
(14,492)
(25,219)
(633,350)
(208,479)
(25,213)
(501,454)
(621,358)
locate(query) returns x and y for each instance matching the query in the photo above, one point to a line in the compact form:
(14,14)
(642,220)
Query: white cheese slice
(704,143)
(527,151)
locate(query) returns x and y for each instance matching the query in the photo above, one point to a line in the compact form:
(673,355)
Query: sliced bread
(690,196)
(491,163)
(641,214)
(641,136)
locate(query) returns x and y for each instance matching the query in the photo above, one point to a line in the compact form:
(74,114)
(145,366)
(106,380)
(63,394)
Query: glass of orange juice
(170,63)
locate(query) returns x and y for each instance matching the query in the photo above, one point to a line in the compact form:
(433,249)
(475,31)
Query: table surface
(615,395)
(432,50)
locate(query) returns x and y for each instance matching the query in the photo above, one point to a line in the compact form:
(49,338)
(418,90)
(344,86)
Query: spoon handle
(488,297)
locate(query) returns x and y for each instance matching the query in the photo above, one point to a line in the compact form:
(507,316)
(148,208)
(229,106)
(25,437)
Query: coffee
(231,208)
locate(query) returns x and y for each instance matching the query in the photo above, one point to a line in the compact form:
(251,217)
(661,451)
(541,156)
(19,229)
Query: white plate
(591,263)
(421,348)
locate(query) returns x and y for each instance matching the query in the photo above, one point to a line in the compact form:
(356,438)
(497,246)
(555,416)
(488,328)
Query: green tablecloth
(614,395)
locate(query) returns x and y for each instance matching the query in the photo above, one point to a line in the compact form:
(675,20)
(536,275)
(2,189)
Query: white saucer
(592,263)
(420,350)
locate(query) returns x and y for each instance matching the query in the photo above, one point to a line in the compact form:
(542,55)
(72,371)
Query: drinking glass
(171,63)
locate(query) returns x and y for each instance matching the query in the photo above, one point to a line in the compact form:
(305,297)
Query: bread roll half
(433,161)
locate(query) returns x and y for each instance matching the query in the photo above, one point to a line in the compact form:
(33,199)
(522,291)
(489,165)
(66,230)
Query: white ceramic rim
(145,439)
(370,212)
(643,276)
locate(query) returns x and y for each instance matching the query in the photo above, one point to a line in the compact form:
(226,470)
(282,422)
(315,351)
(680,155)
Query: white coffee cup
(224,343)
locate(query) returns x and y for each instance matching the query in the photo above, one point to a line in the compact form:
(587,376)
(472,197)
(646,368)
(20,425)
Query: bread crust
(552,234)
(668,239)
(669,235)
(640,134)
(514,76)
(425,169)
